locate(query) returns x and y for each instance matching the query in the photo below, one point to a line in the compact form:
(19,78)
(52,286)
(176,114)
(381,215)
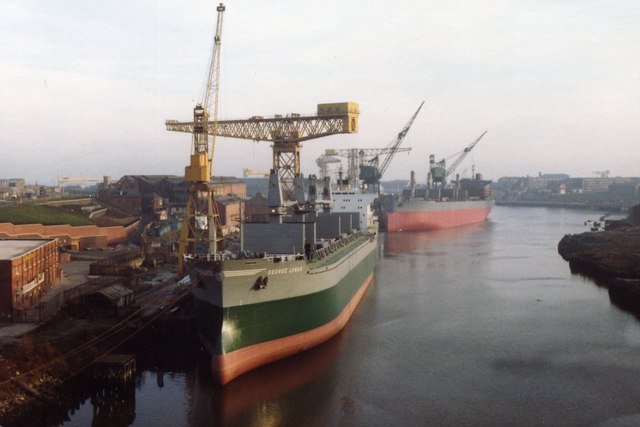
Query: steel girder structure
(286,134)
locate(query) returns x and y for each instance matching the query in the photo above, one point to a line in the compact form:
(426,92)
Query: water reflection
(114,404)
(407,242)
(256,396)
(623,297)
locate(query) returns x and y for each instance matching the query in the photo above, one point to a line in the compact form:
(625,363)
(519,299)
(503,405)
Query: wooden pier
(114,367)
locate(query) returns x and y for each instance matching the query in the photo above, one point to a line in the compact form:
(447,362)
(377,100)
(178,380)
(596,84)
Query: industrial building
(11,188)
(28,268)
(554,183)
(153,196)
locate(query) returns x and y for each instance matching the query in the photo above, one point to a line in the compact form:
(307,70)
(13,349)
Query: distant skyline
(87,86)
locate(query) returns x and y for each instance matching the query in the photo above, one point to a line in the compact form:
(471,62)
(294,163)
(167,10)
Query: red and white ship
(422,215)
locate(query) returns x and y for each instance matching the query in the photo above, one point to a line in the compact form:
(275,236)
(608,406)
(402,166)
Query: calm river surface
(482,325)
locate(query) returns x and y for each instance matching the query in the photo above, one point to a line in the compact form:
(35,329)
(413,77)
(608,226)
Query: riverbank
(591,206)
(612,257)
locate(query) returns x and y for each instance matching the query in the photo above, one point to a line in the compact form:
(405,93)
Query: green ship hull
(254,311)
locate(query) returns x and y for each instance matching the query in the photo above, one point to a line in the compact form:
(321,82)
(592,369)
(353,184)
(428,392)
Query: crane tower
(201,233)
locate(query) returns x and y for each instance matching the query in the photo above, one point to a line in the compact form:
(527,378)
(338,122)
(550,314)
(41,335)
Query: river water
(482,325)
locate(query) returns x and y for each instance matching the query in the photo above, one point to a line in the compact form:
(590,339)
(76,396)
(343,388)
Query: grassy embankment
(31,213)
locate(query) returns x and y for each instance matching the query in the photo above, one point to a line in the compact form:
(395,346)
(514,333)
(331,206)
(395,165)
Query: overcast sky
(86,86)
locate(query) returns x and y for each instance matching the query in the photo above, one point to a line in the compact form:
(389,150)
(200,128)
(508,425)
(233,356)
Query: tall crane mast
(201,233)
(286,133)
(371,173)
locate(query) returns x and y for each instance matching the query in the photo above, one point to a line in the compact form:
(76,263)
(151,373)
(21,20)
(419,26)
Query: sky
(86,86)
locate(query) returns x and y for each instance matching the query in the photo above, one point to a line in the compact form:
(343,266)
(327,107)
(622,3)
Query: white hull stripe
(239,273)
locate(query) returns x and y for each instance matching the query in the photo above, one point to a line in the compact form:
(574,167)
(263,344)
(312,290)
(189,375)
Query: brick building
(28,268)
(148,195)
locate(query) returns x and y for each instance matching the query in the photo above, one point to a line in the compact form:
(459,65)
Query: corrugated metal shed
(117,294)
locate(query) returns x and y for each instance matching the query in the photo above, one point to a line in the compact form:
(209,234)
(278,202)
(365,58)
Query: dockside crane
(372,171)
(201,233)
(323,163)
(439,172)
(286,133)
(247,172)
(355,158)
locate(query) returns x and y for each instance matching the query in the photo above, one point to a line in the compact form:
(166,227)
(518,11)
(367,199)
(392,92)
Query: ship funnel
(298,189)
(313,189)
(274,197)
(326,193)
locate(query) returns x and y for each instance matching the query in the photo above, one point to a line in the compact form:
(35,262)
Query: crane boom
(371,173)
(396,143)
(355,157)
(202,156)
(462,155)
(201,232)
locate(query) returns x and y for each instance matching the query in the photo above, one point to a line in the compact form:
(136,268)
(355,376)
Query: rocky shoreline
(612,257)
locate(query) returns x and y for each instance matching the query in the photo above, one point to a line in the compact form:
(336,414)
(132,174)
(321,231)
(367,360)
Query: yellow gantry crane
(201,233)
(286,133)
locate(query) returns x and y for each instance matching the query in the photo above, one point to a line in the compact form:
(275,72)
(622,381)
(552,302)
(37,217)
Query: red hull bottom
(226,367)
(434,220)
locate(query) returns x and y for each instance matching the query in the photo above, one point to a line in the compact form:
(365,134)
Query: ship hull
(303,304)
(424,215)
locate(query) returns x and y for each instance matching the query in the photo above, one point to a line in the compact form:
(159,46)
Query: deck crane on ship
(439,172)
(372,171)
(356,157)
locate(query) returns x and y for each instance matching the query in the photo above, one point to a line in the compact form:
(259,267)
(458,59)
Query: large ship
(413,211)
(439,204)
(293,282)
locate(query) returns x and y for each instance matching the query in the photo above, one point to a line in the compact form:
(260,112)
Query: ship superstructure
(293,283)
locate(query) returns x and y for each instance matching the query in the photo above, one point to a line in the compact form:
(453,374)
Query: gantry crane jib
(281,129)
(286,134)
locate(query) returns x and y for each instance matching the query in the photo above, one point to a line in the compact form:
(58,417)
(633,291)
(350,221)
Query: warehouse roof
(14,248)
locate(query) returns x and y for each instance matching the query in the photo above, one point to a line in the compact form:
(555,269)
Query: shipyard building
(28,268)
